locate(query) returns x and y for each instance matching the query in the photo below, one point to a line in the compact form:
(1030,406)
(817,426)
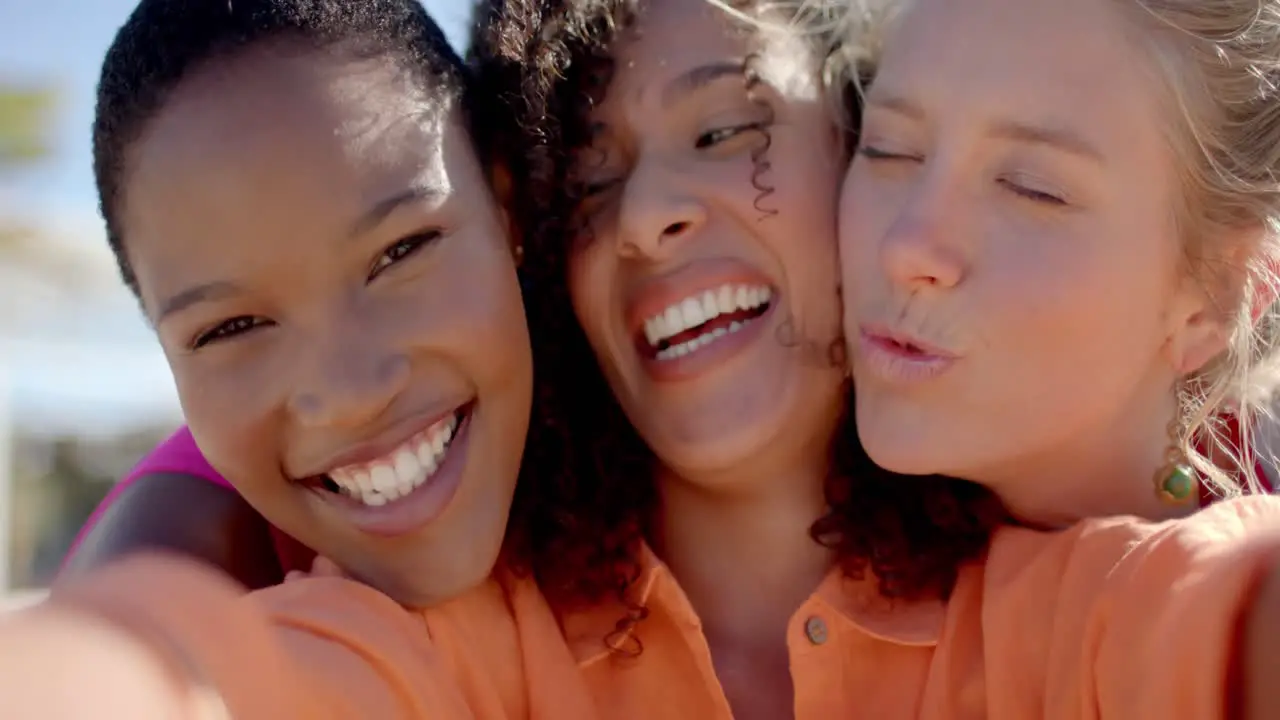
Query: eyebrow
(1055,137)
(222,289)
(418,192)
(698,78)
(205,292)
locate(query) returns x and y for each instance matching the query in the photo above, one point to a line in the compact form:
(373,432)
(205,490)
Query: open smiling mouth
(700,320)
(403,470)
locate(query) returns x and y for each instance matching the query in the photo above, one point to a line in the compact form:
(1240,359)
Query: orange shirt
(1113,618)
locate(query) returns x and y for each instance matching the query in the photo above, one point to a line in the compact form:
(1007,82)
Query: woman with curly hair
(692,270)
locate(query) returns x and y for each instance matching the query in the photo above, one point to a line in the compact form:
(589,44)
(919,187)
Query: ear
(1265,289)
(1203,320)
(500,179)
(1198,329)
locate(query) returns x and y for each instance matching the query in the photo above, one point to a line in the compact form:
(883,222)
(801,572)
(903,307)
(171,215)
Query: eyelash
(1036,196)
(872,153)
(704,141)
(716,136)
(1026,193)
(403,248)
(242,324)
(228,329)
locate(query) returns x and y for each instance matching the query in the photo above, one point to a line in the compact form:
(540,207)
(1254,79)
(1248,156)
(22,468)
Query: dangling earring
(1176,482)
(518,254)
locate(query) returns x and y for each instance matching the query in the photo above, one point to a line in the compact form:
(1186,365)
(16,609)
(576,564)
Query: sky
(94,366)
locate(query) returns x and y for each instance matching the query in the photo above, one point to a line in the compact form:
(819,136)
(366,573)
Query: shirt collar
(594,632)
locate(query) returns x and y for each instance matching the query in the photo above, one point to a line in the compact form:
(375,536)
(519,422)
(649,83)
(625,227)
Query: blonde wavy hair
(1219,63)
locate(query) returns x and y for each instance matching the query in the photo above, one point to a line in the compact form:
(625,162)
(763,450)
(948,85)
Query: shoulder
(1124,560)
(1106,543)
(348,633)
(183,513)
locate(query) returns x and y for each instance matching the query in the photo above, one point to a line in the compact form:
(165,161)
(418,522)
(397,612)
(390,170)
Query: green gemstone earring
(1176,481)
(1176,484)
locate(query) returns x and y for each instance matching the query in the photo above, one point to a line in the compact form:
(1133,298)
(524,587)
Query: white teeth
(402,470)
(684,348)
(691,312)
(699,309)
(384,478)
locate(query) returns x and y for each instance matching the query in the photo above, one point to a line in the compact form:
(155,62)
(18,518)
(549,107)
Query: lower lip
(709,356)
(891,362)
(410,512)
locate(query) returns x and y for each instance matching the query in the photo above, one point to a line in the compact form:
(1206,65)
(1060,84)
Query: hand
(115,675)
(320,567)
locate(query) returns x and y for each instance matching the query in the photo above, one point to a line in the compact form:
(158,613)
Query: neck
(1105,472)
(740,547)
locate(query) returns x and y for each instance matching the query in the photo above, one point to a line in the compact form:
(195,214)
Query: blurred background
(84,389)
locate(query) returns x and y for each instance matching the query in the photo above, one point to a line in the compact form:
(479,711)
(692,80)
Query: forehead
(274,152)
(668,37)
(1074,59)
(284,117)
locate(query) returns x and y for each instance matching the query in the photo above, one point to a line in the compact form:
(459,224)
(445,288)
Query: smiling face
(333,287)
(1014,279)
(706,282)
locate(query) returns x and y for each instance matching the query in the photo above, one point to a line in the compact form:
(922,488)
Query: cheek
(468,309)
(590,278)
(800,176)
(865,213)
(802,226)
(1074,302)
(230,408)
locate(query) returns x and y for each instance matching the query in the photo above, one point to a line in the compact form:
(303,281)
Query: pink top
(180,454)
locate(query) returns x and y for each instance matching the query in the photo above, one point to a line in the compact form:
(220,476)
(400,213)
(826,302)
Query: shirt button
(815,628)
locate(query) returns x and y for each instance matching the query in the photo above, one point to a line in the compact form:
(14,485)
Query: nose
(656,214)
(348,382)
(922,248)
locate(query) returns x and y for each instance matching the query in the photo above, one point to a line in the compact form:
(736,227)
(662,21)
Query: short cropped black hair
(165,41)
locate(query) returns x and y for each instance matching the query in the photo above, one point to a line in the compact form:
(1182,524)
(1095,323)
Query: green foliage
(26,114)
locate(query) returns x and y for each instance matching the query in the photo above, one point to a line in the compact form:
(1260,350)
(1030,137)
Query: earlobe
(1198,347)
(1198,337)
(500,178)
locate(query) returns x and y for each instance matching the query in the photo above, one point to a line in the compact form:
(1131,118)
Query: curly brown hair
(542,64)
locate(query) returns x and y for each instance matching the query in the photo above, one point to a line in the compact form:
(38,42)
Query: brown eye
(403,248)
(711,138)
(228,329)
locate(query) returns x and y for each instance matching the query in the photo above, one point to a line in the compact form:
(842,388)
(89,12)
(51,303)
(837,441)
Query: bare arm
(161,636)
(184,514)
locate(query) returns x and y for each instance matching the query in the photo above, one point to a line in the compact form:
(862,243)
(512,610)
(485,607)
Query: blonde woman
(1058,237)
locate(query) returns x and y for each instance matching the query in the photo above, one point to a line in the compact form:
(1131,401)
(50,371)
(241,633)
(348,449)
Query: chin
(902,447)
(721,438)
(901,459)
(710,453)
(428,580)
